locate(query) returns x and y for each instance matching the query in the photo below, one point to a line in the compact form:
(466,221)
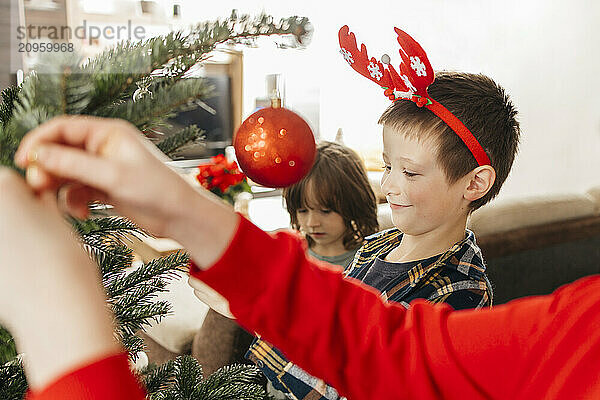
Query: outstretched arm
(542,347)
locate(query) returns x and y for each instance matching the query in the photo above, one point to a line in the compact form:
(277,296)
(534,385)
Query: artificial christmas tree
(144,83)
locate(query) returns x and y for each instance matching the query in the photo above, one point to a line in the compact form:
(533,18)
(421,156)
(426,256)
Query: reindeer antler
(411,83)
(415,70)
(415,64)
(359,59)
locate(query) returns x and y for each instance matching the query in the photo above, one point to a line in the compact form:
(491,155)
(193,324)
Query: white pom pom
(141,361)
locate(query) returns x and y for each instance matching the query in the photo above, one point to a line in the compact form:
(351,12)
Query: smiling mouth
(398,206)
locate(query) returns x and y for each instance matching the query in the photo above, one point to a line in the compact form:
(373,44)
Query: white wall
(545,53)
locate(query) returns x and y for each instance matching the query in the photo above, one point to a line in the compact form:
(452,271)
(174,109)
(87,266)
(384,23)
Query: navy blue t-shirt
(382,272)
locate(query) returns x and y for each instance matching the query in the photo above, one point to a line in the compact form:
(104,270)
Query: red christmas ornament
(275,147)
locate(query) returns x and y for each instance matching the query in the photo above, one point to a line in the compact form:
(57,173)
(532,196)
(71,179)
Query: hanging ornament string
(142,91)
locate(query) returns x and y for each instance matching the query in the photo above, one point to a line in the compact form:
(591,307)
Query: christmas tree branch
(8,349)
(161,267)
(117,228)
(13,383)
(178,140)
(174,54)
(157,378)
(132,343)
(158,74)
(9,96)
(131,320)
(112,258)
(152,110)
(227,381)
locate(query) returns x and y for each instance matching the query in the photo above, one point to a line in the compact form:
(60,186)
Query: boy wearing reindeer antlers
(448,145)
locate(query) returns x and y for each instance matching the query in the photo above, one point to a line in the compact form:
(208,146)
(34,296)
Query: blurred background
(545,53)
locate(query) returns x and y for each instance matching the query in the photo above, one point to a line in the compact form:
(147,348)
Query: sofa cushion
(542,268)
(176,331)
(220,341)
(510,214)
(594,193)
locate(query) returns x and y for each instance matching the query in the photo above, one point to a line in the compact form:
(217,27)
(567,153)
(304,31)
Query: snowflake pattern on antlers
(409,82)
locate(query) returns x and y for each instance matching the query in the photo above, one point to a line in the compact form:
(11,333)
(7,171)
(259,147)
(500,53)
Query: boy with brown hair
(432,183)
(449,142)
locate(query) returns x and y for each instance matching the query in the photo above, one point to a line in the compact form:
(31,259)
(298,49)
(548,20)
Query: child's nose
(312,219)
(390,184)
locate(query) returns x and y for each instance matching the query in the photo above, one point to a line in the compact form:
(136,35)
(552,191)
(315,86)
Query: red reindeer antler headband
(411,83)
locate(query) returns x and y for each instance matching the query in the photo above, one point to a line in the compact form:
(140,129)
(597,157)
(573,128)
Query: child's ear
(481,180)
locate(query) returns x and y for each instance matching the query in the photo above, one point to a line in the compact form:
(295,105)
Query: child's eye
(301,210)
(325,211)
(409,174)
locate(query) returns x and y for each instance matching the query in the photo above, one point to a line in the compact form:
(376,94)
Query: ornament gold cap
(275,102)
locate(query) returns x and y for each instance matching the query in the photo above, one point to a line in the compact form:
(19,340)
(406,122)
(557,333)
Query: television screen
(214,116)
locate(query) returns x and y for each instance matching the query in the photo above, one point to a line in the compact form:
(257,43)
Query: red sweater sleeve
(105,379)
(541,347)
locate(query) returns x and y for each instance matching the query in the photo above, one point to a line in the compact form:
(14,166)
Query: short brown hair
(338,181)
(482,106)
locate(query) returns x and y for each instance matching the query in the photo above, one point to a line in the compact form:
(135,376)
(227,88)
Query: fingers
(64,129)
(101,136)
(56,164)
(90,133)
(88,150)
(40,180)
(76,198)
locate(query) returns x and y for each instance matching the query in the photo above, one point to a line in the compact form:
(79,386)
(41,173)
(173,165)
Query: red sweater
(106,379)
(536,348)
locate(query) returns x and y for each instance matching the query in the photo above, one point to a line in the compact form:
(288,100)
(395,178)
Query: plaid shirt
(457,277)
